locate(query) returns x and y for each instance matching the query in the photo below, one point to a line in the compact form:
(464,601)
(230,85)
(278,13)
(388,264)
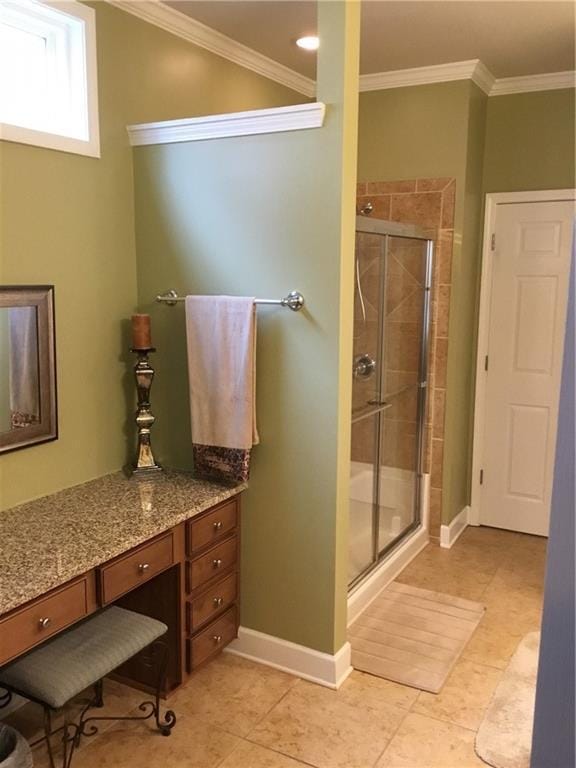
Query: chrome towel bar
(294,300)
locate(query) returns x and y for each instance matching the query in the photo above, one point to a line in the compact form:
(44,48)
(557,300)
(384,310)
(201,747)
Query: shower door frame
(389,229)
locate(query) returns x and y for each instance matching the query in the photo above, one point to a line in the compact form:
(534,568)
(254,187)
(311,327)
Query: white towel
(221,340)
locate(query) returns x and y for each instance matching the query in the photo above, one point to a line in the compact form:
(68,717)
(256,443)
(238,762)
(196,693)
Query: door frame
(493,200)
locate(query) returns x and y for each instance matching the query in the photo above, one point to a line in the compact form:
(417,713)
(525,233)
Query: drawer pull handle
(217,639)
(217,563)
(218,601)
(143,567)
(44,623)
(218,525)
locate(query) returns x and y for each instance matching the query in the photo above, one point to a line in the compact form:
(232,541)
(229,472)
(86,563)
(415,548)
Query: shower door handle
(382,406)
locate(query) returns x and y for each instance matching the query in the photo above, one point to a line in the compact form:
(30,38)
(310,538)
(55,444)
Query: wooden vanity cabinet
(212,582)
(32,624)
(186,577)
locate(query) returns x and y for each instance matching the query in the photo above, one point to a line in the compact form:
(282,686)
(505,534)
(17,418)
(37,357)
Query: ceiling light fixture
(308,43)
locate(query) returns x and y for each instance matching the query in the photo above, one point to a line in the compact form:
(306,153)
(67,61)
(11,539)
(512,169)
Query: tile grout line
(439,720)
(407,712)
(284,754)
(261,746)
(269,711)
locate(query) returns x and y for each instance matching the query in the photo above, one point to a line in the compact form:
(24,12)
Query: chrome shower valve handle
(363,367)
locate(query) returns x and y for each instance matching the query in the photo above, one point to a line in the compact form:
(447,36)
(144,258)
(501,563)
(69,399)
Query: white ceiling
(511,37)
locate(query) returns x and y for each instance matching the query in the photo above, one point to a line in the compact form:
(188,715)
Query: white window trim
(90,147)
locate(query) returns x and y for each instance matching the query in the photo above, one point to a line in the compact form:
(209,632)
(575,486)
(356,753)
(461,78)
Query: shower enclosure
(393,270)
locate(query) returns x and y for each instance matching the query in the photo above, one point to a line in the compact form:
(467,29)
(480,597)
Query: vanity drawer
(46,616)
(211,527)
(212,639)
(212,602)
(131,570)
(209,565)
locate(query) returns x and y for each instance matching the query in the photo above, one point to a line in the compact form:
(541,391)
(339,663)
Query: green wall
(414,132)
(259,216)
(69,220)
(530,140)
(459,412)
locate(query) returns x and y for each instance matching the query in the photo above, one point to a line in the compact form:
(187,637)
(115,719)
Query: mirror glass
(19,384)
(27,370)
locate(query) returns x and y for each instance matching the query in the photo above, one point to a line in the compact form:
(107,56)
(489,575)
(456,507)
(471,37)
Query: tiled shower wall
(428,203)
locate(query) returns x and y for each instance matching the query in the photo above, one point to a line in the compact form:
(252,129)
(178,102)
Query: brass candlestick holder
(144,374)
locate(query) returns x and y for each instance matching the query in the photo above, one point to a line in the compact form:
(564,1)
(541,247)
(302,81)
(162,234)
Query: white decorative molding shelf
(294,118)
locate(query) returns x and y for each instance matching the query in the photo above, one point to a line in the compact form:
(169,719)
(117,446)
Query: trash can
(14,749)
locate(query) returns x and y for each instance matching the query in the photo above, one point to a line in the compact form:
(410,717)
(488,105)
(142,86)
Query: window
(48,87)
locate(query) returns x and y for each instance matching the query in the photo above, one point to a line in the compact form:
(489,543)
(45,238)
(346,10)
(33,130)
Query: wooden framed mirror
(28,413)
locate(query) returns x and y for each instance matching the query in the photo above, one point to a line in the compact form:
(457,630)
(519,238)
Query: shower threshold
(392,561)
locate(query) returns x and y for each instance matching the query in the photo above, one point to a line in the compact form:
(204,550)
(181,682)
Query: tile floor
(235,714)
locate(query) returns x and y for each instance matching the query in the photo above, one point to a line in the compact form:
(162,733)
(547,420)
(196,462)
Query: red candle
(141,336)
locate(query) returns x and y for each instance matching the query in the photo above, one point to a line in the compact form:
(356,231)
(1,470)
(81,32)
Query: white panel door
(530,273)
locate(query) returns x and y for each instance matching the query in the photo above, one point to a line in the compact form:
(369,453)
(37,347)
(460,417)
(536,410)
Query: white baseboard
(449,534)
(299,660)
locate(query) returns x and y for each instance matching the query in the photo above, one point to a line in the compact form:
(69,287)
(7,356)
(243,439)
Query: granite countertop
(47,542)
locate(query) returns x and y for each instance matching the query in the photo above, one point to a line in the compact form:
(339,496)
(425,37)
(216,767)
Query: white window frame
(79,61)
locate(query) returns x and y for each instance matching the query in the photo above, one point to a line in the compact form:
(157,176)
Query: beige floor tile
(249,755)
(495,538)
(348,728)
(510,586)
(139,745)
(363,684)
(232,693)
(422,742)
(460,582)
(492,644)
(519,575)
(516,608)
(464,697)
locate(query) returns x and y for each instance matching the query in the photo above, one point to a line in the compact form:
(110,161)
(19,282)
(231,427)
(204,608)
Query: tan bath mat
(413,636)
(504,738)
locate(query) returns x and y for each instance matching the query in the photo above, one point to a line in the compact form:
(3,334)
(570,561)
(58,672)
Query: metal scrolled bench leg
(60,669)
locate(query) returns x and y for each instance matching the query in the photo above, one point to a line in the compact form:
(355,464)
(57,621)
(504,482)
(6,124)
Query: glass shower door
(403,388)
(388,393)
(367,368)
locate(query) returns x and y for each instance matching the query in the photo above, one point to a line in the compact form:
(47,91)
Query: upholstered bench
(80,658)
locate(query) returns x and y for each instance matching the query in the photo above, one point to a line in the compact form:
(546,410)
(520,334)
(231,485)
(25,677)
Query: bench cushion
(63,667)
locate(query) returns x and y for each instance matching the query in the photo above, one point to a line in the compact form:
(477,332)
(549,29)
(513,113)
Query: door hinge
(486,363)
(493,242)
(481,477)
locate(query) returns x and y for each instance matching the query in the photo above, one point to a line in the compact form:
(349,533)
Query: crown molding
(439,73)
(473,70)
(483,78)
(549,82)
(171,20)
(294,118)
(177,23)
